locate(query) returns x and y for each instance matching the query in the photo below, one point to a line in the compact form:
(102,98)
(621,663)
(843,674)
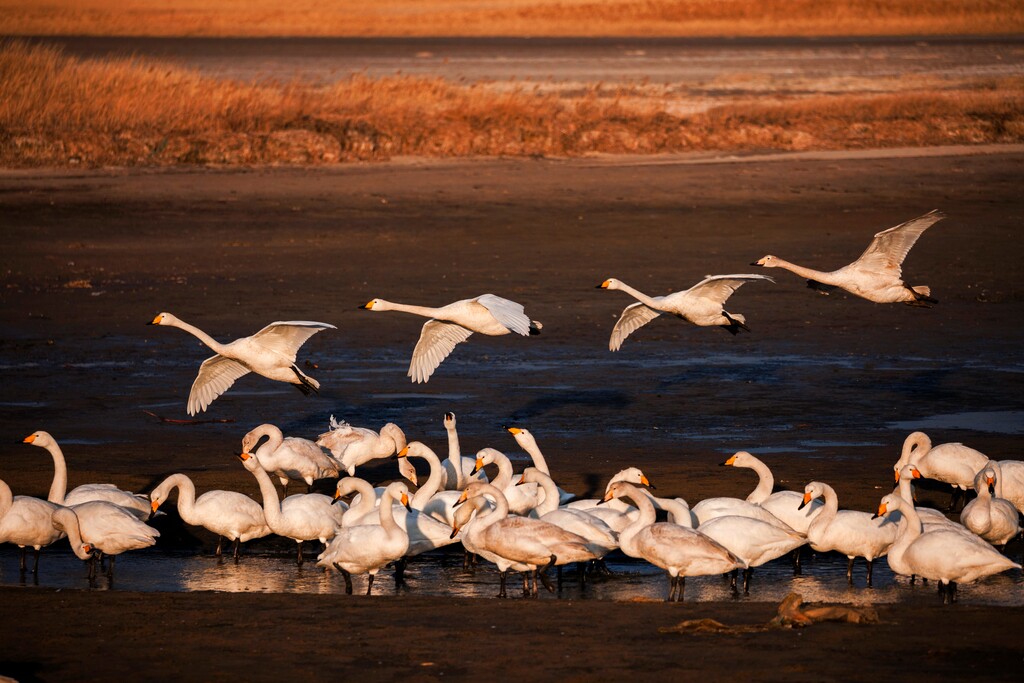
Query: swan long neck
(547,484)
(907,529)
(765,482)
(830,509)
(275,438)
(647,515)
(455,458)
(387,514)
(906,491)
(425,311)
(533,450)
(804,272)
(271,503)
(915,447)
(433,483)
(215,345)
(6,498)
(679,512)
(504,465)
(639,296)
(500,510)
(66,519)
(367,498)
(186,495)
(59,485)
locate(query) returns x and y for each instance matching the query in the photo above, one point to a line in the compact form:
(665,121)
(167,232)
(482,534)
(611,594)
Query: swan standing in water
(521,499)
(229,514)
(26,521)
(703,305)
(112,530)
(354,446)
(877,274)
(952,463)
(616,513)
(133,502)
(850,532)
(367,548)
(941,555)
(992,518)
(270,352)
(678,550)
(452,324)
(289,458)
(785,505)
(301,517)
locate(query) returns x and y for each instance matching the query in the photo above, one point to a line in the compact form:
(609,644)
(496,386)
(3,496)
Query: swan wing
(508,313)
(889,247)
(437,340)
(718,288)
(632,319)
(216,375)
(285,337)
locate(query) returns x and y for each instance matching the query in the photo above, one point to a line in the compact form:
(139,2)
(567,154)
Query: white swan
(521,499)
(457,469)
(703,305)
(367,548)
(722,506)
(784,505)
(134,502)
(994,519)
(65,520)
(850,532)
(27,522)
(112,530)
(270,352)
(952,463)
(528,443)
(941,555)
(429,499)
(289,458)
(877,274)
(616,513)
(449,325)
(229,514)
(355,446)
(1009,481)
(931,519)
(509,540)
(302,517)
(753,541)
(678,550)
(592,528)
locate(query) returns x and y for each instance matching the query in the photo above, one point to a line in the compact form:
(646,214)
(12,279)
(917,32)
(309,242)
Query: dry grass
(59,111)
(509,17)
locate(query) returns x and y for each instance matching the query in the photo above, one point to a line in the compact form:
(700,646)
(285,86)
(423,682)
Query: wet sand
(822,388)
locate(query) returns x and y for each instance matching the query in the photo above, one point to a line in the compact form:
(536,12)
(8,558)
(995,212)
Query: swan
(678,550)
(449,325)
(521,499)
(26,521)
(720,506)
(941,555)
(877,274)
(753,541)
(1009,481)
(930,519)
(428,499)
(592,528)
(229,514)
(355,446)
(270,352)
(993,518)
(291,458)
(366,548)
(528,443)
(951,463)
(112,530)
(784,505)
(701,305)
(531,542)
(617,514)
(301,517)
(457,468)
(137,504)
(850,532)
(464,525)
(65,520)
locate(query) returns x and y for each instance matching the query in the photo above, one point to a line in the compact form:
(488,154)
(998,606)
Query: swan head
(529,475)
(449,420)
(163,318)
(610,283)
(249,461)
(768,261)
(253,437)
(522,436)
(889,504)
(813,490)
(399,492)
(631,475)
(376,305)
(486,456)
(406,468)
(740,459)
(619,489)
(985,479)
(40,438)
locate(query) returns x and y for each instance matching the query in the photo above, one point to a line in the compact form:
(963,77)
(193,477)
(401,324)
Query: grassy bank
(510,17)
(60,111)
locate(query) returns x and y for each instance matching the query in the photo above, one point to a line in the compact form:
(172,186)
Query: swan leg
(400,566)
(732,582)
(23,566)
(849,572)
(299,559)
(672,581)
(747,573)
(952,499)
(369,584)
(347,577)
(35,561)
(92,567)
(503,576)
(110,567)
(543,573)
(797,569)
(220,547)
(871,564)
(304,385)
(238,543)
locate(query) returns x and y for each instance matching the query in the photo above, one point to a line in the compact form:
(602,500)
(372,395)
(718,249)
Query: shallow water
(823,579)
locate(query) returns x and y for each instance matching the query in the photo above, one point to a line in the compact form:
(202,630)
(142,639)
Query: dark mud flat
(822,388)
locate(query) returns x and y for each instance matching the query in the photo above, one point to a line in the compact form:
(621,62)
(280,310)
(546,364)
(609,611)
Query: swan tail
(535,327)
(737,322)
(922,296)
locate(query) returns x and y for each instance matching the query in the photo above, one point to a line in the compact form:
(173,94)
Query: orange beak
(29,439)
(154,505)
(882,508)
(404,453)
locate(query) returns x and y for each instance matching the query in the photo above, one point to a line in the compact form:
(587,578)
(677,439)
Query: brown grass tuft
(60,111)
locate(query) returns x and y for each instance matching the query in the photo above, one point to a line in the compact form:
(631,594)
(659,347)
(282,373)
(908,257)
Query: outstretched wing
(718,288)
(891,246)
(508,313)
(632,319)
(286,337)
(216,375)
(437,339)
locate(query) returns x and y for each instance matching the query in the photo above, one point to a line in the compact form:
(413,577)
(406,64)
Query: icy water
(823,579)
